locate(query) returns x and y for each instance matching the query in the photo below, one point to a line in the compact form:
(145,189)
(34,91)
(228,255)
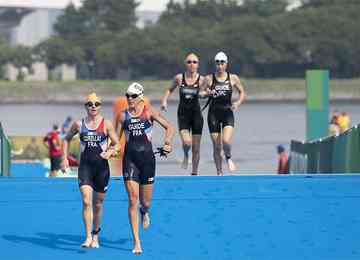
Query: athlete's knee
(227,150)
(133,199)
(86,202)
(145,205)
(226,144)
(196,149)
(217,147)
(187,145)
(98,203)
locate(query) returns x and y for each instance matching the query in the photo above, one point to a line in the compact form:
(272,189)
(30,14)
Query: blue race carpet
(192,218)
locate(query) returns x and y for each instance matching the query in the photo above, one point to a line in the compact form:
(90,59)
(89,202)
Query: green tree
(56,51)
(22,58)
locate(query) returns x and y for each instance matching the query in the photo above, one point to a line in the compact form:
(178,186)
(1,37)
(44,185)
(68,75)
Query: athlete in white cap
(219,86)
(139,161)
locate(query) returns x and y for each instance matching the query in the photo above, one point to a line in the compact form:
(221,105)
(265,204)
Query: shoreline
(256,90)
(156,99)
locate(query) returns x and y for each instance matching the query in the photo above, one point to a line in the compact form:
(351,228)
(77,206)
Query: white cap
(135,88)
(221,56)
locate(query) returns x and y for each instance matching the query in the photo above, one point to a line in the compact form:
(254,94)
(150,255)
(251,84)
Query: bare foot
(87,242)
(145,220)
(95,243)
(231,165)
(220,173)
(185,163)
(137,248)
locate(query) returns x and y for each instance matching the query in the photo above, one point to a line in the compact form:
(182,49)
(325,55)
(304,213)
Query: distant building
(31,22)
(28,23)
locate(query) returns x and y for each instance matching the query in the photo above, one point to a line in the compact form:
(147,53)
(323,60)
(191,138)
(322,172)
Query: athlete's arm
(117,123)
(205,85)
(65,145)
(174,85)
(114,145)
(236,83)
(169,129)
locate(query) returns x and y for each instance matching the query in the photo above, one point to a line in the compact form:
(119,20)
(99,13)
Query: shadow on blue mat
(63,241)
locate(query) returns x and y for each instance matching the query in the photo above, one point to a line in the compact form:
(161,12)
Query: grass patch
(54,89)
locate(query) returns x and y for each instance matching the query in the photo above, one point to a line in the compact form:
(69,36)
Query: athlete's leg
(132,188)
(216,141)
(145,203)
(86,194)
(196,139)
(186,143)
(98,199)
(227,135)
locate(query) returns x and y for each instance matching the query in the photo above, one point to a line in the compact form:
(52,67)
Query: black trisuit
(220,113)
(189,112)
(93,169)
(139,159)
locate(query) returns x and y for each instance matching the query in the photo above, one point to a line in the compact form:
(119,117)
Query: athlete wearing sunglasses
(190,119)
(219,86)
(91,104)
(93,173)
(139,160)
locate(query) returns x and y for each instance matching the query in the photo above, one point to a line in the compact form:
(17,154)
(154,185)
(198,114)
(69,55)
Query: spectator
(334,128)
(283,166)
(343,122)
(65,126)
(53,143)
(32,150)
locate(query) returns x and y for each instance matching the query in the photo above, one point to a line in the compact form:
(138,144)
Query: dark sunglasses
(220,61)
(192,61)
(91,104)
(133,96)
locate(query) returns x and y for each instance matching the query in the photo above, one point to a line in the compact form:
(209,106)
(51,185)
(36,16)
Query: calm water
(259,128)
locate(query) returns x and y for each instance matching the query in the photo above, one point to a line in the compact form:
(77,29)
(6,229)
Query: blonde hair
(92,98)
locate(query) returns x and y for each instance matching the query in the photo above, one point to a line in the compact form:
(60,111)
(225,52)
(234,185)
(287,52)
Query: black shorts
(139,166)
(55,163)
(95,174)
(218,118)
(190,119)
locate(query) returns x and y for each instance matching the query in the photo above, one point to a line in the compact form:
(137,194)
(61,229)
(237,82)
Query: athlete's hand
(235,106)
(64,164)
(106,154)
(167,147)
(164,106)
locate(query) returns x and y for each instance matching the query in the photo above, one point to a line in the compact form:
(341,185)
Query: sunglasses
(192,62)
(91,104)
(133,96)
(220,61)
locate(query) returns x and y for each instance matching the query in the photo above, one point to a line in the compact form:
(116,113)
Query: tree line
(262,38)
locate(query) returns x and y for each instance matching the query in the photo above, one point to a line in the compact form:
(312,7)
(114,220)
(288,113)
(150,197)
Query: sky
(152,5)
